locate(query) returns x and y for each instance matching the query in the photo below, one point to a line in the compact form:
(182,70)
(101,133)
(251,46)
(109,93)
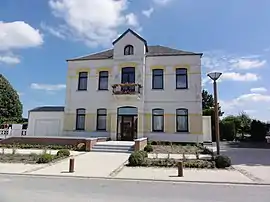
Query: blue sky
(37,36)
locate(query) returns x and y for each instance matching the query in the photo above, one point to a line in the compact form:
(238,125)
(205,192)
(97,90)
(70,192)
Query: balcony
(126,89)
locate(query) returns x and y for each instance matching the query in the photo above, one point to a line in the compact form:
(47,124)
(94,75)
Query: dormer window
(129,50)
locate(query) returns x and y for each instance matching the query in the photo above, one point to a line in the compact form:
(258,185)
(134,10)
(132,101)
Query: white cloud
(132,19)
(95,22)
(48,87)
(248,63)
(148,12)
(17,35)
(9,59)
(162,2)
(252,103)
(234,76)
(60,33)
(258,90)
(223,61)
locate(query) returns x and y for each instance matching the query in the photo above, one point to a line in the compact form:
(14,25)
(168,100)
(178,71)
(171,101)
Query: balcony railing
(126,88)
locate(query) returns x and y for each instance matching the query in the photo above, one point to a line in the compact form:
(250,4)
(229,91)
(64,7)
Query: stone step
(117,147)
(111,150)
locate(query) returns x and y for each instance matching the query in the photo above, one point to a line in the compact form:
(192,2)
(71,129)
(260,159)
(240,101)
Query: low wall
(48,140)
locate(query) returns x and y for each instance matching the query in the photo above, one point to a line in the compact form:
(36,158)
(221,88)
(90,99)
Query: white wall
(39,116)
(93,99)
(207,131)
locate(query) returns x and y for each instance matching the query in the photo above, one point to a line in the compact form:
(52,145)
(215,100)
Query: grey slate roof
(152,51)
(48,109)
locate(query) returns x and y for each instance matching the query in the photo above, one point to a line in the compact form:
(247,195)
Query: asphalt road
(40,189)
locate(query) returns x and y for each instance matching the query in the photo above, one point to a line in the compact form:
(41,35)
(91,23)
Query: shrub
(45,158)
(222,161)
(199,164)
(81,147)
(143,153)
(148,148)
(63,153)
(205,150)
(137,158)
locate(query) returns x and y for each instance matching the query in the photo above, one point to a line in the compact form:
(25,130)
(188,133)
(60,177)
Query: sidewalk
(92,164)
(190,175)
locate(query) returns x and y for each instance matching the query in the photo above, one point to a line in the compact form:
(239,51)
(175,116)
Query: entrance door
(127,128)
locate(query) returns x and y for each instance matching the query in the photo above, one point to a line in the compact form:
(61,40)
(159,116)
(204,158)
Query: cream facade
(146,80)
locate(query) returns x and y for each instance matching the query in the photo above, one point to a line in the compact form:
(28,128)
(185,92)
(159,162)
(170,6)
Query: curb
(138,179)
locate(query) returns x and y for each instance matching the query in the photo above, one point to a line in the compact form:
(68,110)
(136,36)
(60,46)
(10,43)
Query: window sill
(182,132)
(157,132)
(157,89)
(181,88)
(81,90)
(102,90)
(98,131)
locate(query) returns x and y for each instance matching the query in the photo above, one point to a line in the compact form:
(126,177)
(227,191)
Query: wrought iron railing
(126,88)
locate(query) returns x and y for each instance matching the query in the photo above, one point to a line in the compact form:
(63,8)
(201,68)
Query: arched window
(158,120)
(129,50)
(181,120)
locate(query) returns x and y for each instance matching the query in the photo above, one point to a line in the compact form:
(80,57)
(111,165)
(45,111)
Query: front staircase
(114,147)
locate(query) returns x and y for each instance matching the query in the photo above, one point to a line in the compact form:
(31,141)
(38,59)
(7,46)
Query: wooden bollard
(71,165)
(180,169)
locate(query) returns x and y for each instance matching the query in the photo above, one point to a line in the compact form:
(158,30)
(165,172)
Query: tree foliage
(258,130)
(10,105)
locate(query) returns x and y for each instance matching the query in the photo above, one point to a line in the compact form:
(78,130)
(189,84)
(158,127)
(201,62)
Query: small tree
(10,105)
(227,130)
(258,130)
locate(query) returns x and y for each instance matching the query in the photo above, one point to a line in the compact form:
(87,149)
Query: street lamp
(215,76)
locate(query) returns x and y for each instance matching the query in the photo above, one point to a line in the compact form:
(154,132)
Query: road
(41,189)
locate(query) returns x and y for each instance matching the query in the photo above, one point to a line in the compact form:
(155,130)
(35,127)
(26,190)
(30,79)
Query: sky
(37,36)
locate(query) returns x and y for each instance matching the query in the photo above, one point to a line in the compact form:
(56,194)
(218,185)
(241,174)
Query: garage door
(49,127)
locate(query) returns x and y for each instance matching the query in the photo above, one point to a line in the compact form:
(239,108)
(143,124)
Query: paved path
(14,189)
(190,175)
(253,162)
(92,164)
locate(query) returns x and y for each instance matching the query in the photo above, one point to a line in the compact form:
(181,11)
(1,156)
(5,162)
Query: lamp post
(215,76)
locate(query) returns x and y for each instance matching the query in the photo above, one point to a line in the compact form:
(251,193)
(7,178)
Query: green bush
(63,153)
(80,147)
(199,164)
(137,158)
(205,150)
(45,158)
(173,163)
(148,148)
(143,153)
(222,161)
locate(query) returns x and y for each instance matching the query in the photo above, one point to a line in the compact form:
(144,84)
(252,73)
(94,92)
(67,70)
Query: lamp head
(214,75)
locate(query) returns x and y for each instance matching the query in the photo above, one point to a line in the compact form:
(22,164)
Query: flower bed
(33,157)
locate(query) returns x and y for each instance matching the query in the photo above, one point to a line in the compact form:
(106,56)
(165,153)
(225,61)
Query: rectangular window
(80,119)
(101,119)
(181,78)
(158,120)
(82,83)
(103,80)
(181,120)
(157,79)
